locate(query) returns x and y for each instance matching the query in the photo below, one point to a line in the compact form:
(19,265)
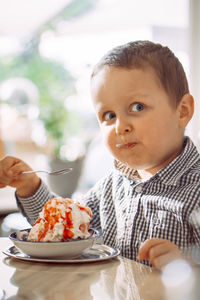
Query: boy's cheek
(108,138)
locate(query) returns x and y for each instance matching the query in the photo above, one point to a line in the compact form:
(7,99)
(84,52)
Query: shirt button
(138,188)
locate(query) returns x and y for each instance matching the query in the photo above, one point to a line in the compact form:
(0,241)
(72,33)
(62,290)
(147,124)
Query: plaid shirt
(129,211)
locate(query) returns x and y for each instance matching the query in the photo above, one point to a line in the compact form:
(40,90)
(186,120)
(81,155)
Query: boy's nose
(123,127)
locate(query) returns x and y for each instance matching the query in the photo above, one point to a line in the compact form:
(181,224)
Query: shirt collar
(171,173)
(126,170)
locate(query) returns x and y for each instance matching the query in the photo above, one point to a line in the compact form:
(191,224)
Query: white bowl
(68,249)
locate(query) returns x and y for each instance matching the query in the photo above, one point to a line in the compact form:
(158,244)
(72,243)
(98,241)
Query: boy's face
(139,125)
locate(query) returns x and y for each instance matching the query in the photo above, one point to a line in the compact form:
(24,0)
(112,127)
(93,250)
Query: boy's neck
(144,175)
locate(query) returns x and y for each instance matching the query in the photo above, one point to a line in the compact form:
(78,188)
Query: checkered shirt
(129,211)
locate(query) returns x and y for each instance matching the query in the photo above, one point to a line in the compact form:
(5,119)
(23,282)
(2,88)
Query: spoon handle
(58,172)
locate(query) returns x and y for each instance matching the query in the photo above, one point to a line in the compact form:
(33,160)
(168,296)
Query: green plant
(54,82)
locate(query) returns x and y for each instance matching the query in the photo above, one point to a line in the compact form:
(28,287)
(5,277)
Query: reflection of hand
(10,175)
(159,252)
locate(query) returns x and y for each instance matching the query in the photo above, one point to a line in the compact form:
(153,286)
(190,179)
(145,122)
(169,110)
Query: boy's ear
(185,109)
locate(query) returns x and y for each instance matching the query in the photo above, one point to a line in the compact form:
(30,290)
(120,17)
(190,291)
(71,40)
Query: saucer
(98,252)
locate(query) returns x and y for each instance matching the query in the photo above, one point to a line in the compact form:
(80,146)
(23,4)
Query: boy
(147,205)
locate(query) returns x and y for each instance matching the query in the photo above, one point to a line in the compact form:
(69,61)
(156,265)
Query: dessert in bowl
(61,230)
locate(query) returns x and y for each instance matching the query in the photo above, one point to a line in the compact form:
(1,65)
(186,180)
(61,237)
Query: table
(115,279)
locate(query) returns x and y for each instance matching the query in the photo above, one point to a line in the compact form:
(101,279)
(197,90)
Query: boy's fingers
(7,163)
(12,166)
(143,252)
(16,169)
(10,169)
(162,249)
(159,252)
(161,261)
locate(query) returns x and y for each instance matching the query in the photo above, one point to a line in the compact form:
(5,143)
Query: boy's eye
(137,107)
(109,115)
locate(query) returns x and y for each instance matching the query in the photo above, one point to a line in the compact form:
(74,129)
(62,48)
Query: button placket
(131,211)
(129,223)
(130,215)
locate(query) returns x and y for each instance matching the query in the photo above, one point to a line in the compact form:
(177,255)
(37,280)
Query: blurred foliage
(54,82)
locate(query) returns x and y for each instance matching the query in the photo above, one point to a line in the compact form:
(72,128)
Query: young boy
(148,205)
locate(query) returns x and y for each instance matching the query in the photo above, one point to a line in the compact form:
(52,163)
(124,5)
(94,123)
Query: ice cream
(61,220)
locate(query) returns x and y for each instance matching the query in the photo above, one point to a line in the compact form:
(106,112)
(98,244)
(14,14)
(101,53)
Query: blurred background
(47,51)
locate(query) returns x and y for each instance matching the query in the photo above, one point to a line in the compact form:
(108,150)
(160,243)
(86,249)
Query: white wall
(194,129)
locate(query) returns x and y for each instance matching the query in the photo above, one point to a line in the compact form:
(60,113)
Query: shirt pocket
(163,224)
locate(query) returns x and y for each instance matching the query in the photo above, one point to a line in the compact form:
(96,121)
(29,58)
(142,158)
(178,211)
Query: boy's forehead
(104,72)
(101,74)
(131,84)
(105,75)
(98,81)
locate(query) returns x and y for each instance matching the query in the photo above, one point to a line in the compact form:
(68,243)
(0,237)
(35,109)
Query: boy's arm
(32,193)
(32,206)
(159,252)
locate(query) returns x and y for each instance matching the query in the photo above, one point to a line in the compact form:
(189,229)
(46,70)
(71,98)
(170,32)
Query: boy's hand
(159,252)
(10,175)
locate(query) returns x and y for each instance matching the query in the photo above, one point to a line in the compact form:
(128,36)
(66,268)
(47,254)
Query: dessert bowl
(67,249)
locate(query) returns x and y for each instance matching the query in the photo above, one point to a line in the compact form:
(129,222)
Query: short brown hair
(141,54)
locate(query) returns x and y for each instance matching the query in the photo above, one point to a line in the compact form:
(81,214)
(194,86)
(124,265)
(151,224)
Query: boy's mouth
(126,146)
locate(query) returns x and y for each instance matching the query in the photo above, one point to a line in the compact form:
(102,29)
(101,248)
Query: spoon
(58,172)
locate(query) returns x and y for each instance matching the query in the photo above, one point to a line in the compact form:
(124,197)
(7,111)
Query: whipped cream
(61,219)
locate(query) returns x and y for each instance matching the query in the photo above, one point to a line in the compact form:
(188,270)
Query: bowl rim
(13,237)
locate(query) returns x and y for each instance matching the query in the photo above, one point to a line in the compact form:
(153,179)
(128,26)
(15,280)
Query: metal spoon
(58,172)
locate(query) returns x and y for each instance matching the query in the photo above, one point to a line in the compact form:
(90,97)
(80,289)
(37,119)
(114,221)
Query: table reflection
(56,281)
(117,278)
(114,279)
(128,280)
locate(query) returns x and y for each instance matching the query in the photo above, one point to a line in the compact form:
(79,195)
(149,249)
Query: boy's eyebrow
(141,97)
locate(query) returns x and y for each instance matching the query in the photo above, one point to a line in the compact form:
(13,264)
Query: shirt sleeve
(31,206)
(195,224)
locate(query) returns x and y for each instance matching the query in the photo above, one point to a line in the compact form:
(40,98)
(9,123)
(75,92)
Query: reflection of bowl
(68,249)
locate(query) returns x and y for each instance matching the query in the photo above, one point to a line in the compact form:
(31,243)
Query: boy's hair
(143,54)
